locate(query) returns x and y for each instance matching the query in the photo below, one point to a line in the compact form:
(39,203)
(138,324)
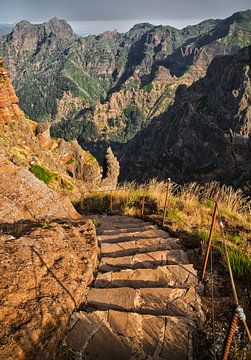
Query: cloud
(95,10)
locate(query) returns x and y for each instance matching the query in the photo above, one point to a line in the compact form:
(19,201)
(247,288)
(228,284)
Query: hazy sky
(99,15)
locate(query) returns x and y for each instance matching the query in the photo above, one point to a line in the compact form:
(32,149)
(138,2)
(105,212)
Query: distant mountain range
(111,85)
(108,88)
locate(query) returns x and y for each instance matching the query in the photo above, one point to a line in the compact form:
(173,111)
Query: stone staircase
(143,303)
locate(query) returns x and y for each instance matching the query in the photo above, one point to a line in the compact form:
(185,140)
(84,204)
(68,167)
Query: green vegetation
(77,128)
(85,84)
(201,104)
(201,236)
(134,120)
(234,238)
(46,225)
(240,262)
(71,161)
(148,88)
(66,185)
(43,174)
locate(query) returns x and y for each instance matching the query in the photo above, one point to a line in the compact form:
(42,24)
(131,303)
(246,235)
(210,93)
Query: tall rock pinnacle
(8,99)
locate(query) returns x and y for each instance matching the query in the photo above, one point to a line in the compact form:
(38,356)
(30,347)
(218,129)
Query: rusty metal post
(143,206)
(229,336)
(209,244)
(166,200)
(111,201)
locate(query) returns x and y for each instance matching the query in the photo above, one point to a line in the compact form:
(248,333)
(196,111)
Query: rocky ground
(45,269)
(48,254)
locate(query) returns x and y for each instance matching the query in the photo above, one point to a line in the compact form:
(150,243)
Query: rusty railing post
(166,200)
(143,205)
(209,244)
(111,201)
(229,336)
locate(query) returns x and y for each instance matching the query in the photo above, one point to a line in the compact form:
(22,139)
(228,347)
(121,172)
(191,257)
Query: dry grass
(194,201)
(189,208)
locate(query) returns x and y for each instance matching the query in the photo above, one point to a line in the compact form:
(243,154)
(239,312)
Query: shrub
(148,88)
(43,174)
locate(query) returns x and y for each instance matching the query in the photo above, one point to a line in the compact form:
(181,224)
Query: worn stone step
(106,335)
(155,301)
(145,260)
(118,221)
(139,246)
(164,276)
(130,236)
(116,229)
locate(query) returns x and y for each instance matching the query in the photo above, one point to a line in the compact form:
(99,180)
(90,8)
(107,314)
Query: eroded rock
(44,274)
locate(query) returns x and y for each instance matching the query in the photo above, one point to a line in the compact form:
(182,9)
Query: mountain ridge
(102,90)
(83,72)
(204,135)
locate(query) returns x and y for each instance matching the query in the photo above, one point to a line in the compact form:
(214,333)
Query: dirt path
(143,303)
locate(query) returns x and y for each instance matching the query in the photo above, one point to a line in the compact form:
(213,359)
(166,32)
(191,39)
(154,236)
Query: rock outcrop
(47,259)
(205,135)
(29,144)
(44,274)
(111,171)
(24,197)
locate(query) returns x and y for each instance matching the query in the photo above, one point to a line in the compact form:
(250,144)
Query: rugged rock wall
(44,275)
(24,197)
(27,143)
(48,255)
(206,133)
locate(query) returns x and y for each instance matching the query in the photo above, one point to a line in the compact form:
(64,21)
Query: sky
(95,16)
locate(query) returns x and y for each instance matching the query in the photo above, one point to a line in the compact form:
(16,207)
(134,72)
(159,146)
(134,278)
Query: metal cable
(240,310)
(184,222)
(212,302)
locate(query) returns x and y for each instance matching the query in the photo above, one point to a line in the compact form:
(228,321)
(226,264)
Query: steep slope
(108,74)
(47,251)
(205,134)
(150,63)
(62,165)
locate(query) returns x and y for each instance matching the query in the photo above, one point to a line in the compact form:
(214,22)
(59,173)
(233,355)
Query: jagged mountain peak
(60,29)
(142,26)
(61,25)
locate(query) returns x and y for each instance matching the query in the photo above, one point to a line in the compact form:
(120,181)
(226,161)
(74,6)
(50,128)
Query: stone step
(106,335)
(127,229)
(145,260)
(130,236)
(119,222)
(139,246)
(164,276)
(154,301)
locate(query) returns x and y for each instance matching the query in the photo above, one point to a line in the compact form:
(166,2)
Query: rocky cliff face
(205,135)
(47,252)
(108,73)
(62,165)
